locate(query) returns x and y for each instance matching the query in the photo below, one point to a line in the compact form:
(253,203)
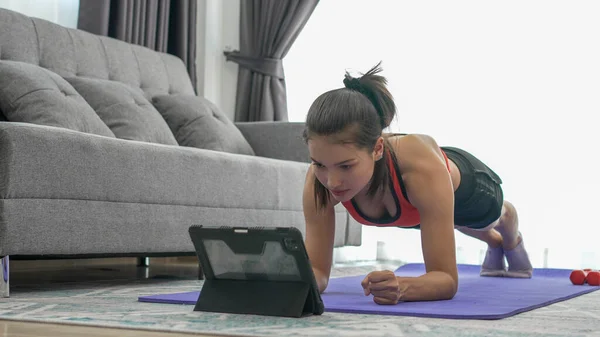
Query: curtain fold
(167,26)
(268,28)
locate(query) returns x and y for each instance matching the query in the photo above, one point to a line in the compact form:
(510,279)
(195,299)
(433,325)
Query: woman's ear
(378,150)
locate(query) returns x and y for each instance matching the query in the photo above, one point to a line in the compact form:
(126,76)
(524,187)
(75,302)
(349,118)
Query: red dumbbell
(579,277)
(593,278)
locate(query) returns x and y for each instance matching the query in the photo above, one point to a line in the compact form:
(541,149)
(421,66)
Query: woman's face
(342,168)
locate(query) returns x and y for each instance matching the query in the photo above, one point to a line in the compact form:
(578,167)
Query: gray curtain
(167,26)
(268,28)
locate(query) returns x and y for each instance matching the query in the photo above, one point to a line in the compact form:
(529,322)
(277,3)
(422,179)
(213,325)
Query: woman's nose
(334,181)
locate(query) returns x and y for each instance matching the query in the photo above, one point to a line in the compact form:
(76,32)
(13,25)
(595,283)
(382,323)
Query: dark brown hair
(361,110)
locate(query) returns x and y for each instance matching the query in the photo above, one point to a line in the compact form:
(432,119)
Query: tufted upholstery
(119,80)
(197,122)
(124,109)
(31,94)
(71,52)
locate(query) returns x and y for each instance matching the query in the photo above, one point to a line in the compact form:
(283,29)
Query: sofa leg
(4,272)
(143,261)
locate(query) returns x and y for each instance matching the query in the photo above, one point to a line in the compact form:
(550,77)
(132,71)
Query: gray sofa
(106,151)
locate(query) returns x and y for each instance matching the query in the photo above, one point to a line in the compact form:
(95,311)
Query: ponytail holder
(353,83)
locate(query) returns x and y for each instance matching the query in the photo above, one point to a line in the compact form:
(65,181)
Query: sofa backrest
(70,52)
(76,80)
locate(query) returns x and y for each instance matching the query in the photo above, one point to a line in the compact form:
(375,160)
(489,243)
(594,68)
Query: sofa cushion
(124,109)
(197,122)
(32,94)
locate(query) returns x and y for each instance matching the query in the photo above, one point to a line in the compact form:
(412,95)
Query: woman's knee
(509,212)
(508,216)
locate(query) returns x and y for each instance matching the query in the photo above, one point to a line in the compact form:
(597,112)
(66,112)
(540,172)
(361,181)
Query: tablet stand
(286,299)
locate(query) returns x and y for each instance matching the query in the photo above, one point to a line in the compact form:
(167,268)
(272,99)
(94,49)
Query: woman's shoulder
(410,141)
(414,148)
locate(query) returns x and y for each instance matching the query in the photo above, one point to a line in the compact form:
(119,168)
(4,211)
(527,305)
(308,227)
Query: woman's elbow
(452,289)
(322,287)
(322,280)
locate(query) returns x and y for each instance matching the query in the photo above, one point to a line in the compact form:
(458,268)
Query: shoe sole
(492,273)
(519,274)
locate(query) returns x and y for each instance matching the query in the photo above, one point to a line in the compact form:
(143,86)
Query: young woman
(405,181)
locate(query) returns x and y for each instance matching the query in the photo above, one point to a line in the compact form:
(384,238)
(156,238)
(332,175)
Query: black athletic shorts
(479,197)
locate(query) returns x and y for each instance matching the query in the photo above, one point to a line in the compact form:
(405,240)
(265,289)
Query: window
(62,12)
(516,83)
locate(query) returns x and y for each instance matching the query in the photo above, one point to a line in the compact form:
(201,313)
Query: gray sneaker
(519,265)
(493,264)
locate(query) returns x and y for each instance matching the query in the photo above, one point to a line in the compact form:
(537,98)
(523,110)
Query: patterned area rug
(114,304)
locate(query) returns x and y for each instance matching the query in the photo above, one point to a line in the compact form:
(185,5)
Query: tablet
(255,270)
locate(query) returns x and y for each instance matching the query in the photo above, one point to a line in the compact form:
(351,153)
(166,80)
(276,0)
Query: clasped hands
(385,287)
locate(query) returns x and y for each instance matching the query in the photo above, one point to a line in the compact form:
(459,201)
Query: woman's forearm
(432,286)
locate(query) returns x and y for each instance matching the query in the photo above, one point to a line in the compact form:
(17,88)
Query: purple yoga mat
(477,297)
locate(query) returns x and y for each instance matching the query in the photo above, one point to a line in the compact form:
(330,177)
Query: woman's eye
(318,165)
(346,167)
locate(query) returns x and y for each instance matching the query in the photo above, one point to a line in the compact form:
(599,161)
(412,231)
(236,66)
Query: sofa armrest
(278,140)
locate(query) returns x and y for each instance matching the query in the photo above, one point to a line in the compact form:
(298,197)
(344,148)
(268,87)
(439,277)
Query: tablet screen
(273,263)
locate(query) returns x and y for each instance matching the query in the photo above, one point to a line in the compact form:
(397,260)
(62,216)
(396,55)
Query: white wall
(218,30)
(514,82)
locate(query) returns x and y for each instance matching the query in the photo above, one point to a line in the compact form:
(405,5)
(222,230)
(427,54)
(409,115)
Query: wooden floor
(20,329)
(48,271)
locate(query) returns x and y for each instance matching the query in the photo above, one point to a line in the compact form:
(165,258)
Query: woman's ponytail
(374,87)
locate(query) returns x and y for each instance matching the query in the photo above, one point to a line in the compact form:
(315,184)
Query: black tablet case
(255,270)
